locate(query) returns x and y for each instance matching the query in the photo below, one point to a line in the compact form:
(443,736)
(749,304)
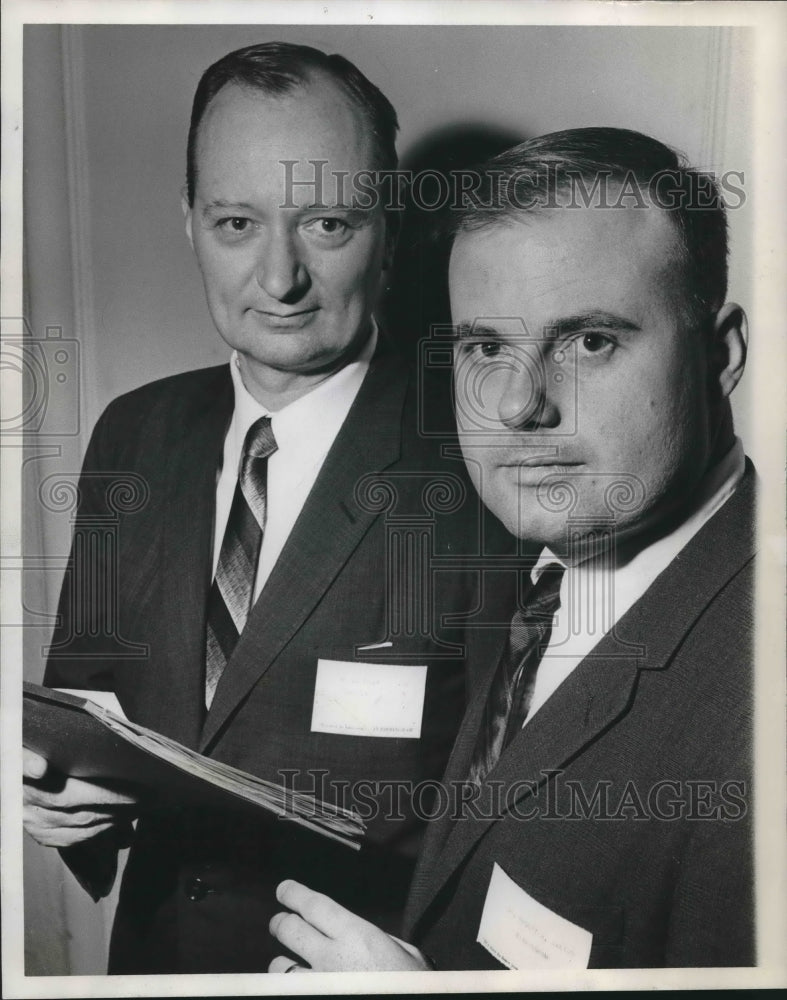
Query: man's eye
(328,226)
(480,348)
(234,224)
(595,342)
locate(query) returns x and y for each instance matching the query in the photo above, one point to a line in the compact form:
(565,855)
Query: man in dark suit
(275,520)
(598,801)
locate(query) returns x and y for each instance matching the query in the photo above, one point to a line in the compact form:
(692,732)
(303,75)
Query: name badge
(523,934)
(368,699)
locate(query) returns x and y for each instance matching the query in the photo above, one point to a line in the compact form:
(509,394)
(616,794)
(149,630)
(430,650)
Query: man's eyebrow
(596,320)
(324,206)
(467,329)
(221,205)
(353,211)
(238,207)
(562,327)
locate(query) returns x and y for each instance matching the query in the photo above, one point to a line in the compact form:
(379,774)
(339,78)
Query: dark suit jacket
(198,890)
(637,824)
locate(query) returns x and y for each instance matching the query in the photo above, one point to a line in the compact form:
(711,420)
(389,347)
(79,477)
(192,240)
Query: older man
(598,797)
(277,601)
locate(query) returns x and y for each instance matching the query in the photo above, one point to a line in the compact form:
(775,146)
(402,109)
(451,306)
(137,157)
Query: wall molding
(714,132)
(80,224)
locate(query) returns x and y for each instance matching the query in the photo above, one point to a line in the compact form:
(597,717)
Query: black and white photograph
(393,537)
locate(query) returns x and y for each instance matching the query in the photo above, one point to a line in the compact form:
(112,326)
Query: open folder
(84,740)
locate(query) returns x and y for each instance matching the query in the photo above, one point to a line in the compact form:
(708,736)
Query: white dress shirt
(584,616)
(304,430)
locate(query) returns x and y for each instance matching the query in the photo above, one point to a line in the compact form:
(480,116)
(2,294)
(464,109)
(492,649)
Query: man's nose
(525,403)
(281,272)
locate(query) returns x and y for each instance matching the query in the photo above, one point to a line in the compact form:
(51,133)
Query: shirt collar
(546,558)
(714,489)
(310,421)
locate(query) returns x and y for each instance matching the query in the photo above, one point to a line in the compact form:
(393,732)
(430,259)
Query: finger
(33,765)
(298,936)
(53,818)
(65,836)
(63,807)
(78,794)
(412,950)
(283,964)
(320,911)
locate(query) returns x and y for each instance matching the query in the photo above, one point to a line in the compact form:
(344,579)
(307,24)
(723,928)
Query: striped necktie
(512,687)
(232,593)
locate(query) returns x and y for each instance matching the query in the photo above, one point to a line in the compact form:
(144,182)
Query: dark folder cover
(84,740)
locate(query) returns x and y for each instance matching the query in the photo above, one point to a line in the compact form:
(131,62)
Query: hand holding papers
(84,740)
(60,811)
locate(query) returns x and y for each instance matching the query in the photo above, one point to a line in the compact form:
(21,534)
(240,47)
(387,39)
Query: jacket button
(197,890)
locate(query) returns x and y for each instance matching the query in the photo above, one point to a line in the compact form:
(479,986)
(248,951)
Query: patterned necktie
(232,593)
(512,687)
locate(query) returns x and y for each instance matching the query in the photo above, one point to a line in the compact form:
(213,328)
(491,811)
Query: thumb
(34,766)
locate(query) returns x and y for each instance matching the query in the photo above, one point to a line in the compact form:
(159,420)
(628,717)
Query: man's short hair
(279,67)
(578,167)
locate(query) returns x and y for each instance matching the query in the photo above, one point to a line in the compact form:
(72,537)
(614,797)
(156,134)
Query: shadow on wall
(416,295)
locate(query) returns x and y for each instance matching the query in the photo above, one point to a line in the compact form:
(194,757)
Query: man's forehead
(588,238)
(300,143)
(566,267)
(318,99)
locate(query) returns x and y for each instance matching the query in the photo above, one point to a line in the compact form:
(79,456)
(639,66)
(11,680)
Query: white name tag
(368,699)
(523,934)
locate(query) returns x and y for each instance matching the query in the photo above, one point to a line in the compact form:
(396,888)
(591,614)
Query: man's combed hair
(277,68)
(610,167)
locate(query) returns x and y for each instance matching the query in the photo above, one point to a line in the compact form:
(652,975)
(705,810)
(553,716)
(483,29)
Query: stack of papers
(84,740)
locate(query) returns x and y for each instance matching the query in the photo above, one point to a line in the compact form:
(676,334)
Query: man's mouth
(286,319)
(542,462)
(532,471)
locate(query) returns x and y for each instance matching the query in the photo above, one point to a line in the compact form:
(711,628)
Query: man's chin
(535,526)
(284,355)
(572,535)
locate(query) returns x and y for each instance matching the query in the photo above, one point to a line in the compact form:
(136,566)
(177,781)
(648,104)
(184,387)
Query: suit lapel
(485,640)
(329,528)
(598,692)
(592,698)
(187,554)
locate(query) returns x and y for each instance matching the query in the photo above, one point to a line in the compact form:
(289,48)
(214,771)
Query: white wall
(106,117)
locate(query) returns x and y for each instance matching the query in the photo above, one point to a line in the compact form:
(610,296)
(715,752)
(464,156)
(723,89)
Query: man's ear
(187,212)
(730,340)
